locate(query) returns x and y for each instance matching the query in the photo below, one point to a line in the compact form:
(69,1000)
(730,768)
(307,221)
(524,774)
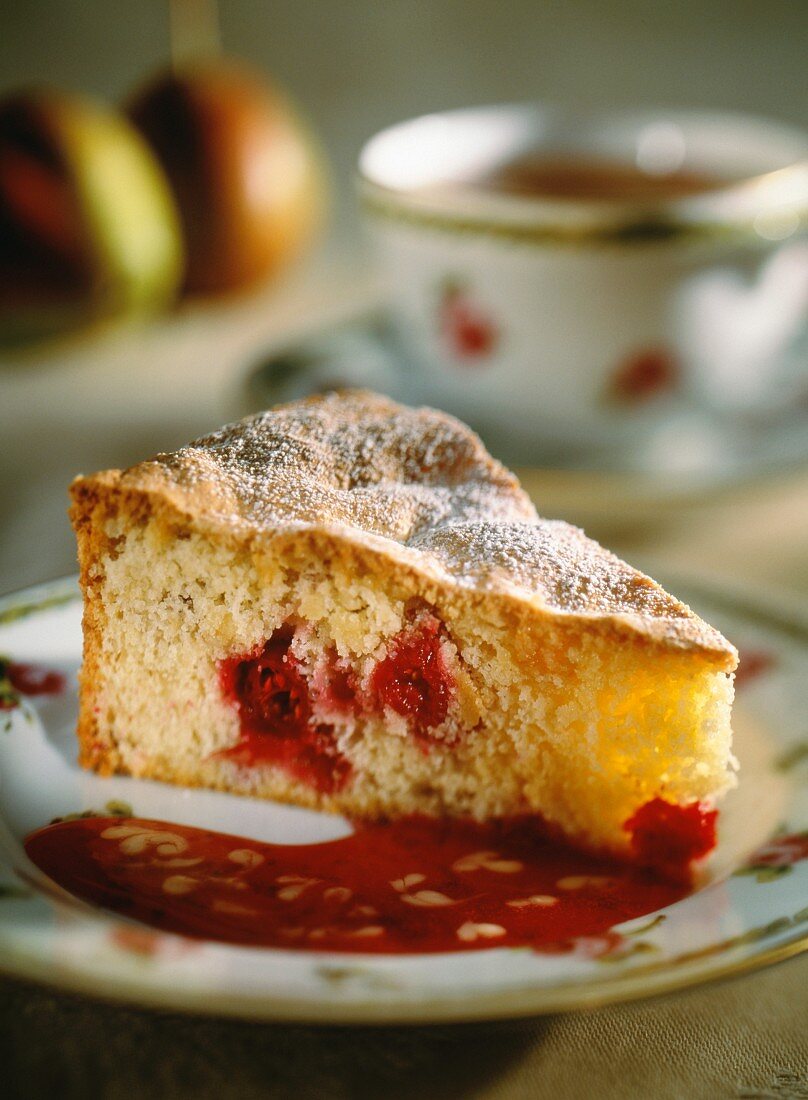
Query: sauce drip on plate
(416,885)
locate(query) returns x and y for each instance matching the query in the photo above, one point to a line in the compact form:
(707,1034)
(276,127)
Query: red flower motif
(782,851)
(469,332)
(753,663)
(34,679)
(644,375)
(147,943)
(136,941)
(18,679)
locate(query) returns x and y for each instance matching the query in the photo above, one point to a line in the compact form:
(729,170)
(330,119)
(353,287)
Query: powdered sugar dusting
(423,484)
(349,459)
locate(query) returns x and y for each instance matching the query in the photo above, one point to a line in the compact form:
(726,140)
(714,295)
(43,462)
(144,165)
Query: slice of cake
(348,604)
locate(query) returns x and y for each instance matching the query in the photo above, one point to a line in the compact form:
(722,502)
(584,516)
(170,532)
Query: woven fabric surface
(746,1038)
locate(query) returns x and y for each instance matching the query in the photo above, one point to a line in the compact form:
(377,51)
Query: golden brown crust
(413,485)
(88,511)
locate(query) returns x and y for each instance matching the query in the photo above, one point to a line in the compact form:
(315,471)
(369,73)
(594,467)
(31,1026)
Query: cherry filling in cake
(275,711)
(414,681)
(335,686)
(294,702)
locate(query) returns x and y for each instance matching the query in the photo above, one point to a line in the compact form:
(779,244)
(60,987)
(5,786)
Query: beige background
(357,65)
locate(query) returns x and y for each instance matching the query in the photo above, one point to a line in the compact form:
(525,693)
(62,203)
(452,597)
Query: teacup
(562,279)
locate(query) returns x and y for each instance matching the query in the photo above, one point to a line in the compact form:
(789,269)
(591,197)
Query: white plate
(750,911)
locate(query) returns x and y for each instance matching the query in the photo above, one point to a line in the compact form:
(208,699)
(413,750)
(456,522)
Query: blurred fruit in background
(88,225)
(247,177)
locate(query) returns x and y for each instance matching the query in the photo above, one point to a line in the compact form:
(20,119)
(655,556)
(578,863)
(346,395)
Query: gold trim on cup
(640,226)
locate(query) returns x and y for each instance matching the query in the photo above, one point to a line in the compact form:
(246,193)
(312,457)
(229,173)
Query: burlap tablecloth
(744,1038)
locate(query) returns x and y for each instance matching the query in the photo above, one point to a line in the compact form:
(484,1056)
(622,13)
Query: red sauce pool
(416,885)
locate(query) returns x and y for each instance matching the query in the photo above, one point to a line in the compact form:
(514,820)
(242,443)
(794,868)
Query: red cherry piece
(413,680)
(668,837)
(270,689)
(336,687)
(274,703)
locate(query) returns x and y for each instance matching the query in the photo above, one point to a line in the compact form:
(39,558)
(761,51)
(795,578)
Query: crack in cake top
(420,485)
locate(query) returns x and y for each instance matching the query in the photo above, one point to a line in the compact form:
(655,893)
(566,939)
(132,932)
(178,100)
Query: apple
(247,177)
(88,226)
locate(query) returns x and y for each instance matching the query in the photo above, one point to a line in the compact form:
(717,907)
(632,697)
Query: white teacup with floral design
(570,318)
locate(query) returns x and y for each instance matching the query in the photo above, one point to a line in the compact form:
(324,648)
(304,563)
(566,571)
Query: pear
(247,176)
(88,224)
